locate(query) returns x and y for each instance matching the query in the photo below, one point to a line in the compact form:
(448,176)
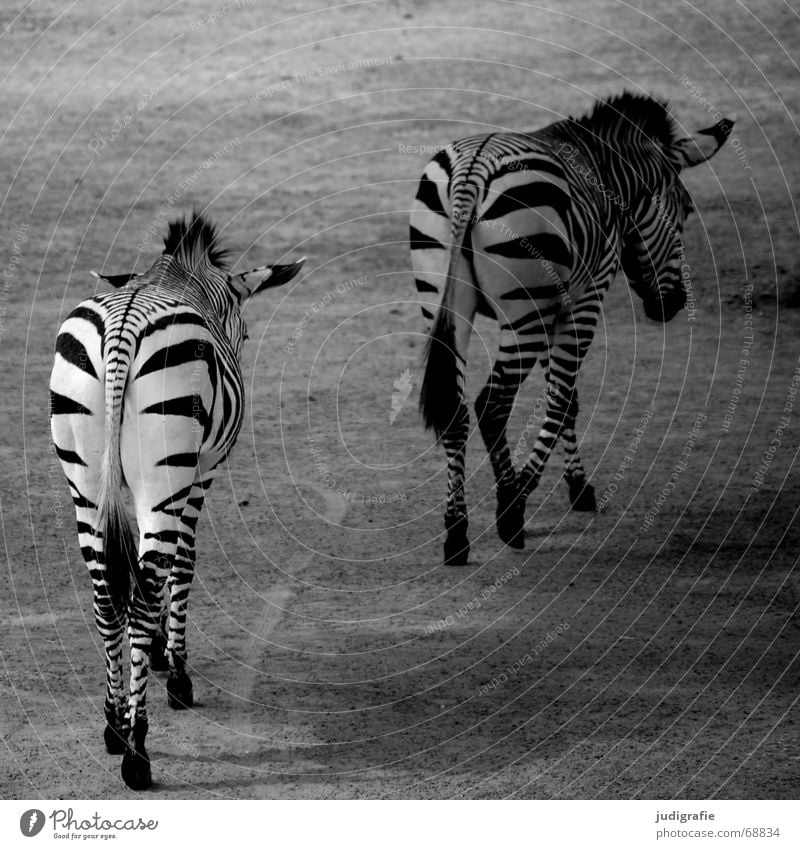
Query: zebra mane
(627,114)
(189,242)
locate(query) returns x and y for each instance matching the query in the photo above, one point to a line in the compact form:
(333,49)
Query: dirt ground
(647,651)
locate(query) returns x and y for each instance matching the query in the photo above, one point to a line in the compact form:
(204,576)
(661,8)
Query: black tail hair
(120,555)
(438,398)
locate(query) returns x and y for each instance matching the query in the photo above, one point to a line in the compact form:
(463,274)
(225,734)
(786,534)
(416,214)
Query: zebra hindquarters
(429,240)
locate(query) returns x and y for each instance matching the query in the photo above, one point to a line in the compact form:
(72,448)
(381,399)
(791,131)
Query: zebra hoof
(582,498)
(136,769)
(456,551)
(159,662)
(115,742)
(456,544)
(180,695)
(511,519)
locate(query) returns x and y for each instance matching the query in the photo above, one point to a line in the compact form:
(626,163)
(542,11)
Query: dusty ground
(611,660)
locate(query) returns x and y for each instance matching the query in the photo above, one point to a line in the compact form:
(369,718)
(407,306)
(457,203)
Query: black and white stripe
(146,391)
(531,228)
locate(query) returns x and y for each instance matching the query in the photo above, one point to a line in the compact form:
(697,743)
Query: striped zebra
(530,229)
(146,391)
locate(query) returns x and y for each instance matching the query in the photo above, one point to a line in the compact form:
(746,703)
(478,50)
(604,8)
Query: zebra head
(194,266)
(652,253)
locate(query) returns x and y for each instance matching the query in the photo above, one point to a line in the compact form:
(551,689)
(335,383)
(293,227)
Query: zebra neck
(169,277)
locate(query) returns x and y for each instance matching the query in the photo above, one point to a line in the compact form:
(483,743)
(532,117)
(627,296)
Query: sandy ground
(332,654)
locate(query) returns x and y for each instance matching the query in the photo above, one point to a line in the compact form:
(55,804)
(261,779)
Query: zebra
(530,229)
(146,392)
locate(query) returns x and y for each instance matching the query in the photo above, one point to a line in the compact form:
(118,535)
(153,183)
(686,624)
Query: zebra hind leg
(180,694)
(493,407)
(109,615)
(581,492)
(110,620)
(143,621)
(456,544)
(159,661)
(135,767)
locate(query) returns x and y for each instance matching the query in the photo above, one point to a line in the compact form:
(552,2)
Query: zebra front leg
(574,334)
(552,428)
(570,341)
(581,492)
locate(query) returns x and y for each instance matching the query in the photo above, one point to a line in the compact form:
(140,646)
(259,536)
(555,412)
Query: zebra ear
(703,144)
(277,275)
(116,280)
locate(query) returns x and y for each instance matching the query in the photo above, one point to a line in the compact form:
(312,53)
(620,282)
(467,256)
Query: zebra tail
(439,397)
(119,545)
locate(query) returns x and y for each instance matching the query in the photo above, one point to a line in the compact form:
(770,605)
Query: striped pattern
(530,229)
(146,391)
